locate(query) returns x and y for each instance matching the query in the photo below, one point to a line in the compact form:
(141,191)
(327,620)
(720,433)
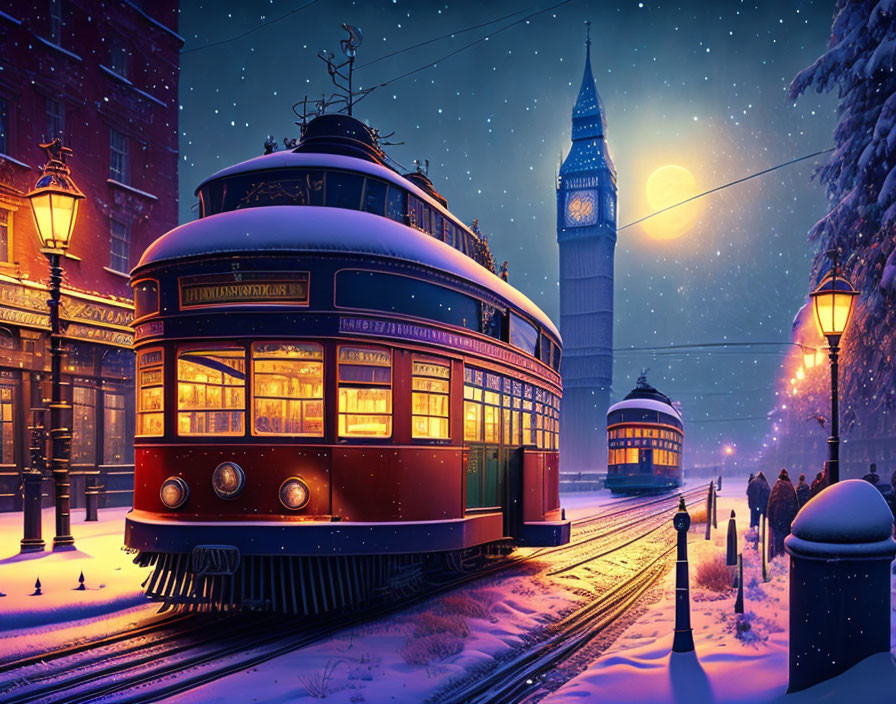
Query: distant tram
(645,435)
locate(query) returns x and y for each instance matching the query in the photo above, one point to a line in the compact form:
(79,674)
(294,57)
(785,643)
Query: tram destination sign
(444,338)
(247,288)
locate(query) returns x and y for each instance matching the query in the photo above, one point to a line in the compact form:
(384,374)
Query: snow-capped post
(763,545)
(708,510)
(731,553)
(739,601)
(841,546)
(81,587)
(715,507)
(32,540)
(92,495)
(683,642)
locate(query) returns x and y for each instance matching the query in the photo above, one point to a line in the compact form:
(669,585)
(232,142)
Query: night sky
(698,84)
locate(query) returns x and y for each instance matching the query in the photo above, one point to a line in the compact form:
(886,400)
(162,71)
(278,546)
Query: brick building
(103,77)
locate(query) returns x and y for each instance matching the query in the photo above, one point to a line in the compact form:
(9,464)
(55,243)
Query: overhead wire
(251,31)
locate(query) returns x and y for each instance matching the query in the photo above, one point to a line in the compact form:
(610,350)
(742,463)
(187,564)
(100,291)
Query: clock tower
(586,233)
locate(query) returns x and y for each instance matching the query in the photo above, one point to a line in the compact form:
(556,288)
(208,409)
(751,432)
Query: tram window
(288,389)
(146,298)
(415,212)
(343,190)
(431,384)
(396,204)
(374,197)
(631,455)
(150,393)
(522,335)
(372,290)
(365,392)
(211,391)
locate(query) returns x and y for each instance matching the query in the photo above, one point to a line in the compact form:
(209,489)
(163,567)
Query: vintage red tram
(333,388)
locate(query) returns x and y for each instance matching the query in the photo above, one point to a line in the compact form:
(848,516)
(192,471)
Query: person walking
(753,491)
(802,491)
(818,484)
(764,492)
(782,509)
(872,477)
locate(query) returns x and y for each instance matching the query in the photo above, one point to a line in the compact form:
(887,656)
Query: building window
(83,426)
(431,385)
(472,405)
(7,435)
(55,119)
(55,16)
(365,392)
(118,156)
(288,389)
(5,236)
(114,428)
(119,245)
(150,394)
(118,58)
(4,126)
(211,391)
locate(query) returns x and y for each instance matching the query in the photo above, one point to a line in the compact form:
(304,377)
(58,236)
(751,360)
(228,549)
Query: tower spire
(588,119)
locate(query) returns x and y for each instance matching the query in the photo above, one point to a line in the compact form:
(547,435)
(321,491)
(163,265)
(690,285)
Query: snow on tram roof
(310,228)
(648,404)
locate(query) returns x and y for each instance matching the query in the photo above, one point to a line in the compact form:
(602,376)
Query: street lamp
(54,203)
(833,300)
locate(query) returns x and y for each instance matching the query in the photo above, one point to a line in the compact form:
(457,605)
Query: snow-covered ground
(111,584)
(736,661)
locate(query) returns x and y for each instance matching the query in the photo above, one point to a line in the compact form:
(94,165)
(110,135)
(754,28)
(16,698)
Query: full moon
(667,186)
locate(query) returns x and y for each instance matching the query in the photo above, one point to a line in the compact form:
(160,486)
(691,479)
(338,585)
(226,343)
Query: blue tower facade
(586,234)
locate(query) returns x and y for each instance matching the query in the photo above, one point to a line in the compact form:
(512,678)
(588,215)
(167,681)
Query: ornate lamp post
(833,300)
(54,203)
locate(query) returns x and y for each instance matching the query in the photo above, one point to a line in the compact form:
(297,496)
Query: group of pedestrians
(779,504)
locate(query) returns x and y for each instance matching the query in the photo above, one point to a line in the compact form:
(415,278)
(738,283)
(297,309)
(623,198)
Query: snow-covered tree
(860,64)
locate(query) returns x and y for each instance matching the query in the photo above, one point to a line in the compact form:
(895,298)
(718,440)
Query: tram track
(129,679)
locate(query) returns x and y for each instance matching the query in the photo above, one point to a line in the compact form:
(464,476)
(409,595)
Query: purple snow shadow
(689,682)
(25,556)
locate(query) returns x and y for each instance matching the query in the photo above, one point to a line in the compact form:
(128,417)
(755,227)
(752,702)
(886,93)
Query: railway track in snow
(181,652)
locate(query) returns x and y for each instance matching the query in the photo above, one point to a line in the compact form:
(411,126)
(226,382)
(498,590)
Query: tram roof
(298,160)
(319,229)
(647,404)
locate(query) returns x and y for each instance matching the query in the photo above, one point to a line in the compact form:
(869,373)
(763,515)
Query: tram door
(645,461)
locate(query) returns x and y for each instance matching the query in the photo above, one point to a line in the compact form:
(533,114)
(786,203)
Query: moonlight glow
(667,186)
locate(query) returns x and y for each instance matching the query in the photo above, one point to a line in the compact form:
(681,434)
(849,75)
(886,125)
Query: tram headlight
(174,492)
(294,494)
(228,480)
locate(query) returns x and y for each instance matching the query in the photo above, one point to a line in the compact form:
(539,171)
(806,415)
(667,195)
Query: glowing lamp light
(833,300)
(729,450)
(809,359)
(800,374)
(54,200)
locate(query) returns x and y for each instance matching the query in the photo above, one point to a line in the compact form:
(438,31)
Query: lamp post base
(32,545)
(61,543)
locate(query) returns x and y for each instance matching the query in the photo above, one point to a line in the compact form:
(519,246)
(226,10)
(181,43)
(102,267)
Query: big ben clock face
(581,208)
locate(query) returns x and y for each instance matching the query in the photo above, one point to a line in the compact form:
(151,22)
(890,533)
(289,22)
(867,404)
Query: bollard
(715,506)
(683,642)
(841,546)
(739,601)
(31,535)
(763,539)
(731,553)
(91,495)
(80,587)
(37,591)
(708,511)
(719,482)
